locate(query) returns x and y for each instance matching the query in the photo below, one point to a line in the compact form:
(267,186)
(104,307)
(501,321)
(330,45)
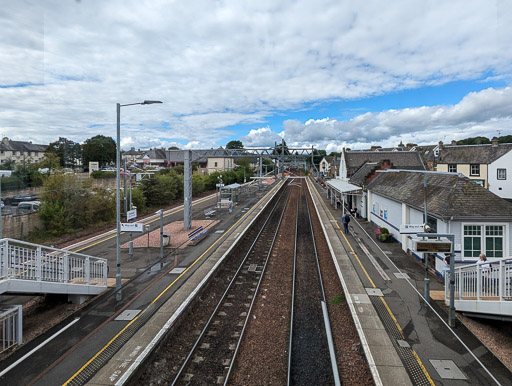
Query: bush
(384,230)
(101,174)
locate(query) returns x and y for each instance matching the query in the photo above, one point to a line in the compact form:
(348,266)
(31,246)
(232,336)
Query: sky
(329,74)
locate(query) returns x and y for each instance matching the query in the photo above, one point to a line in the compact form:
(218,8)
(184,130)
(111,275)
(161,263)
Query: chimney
(440,145)
(409,146)
(454,142)
(494,142)
(375,148)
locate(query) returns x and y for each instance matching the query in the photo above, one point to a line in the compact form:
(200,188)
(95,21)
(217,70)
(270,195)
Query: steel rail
(289,372)
(328,331)
(219,304)
(257,290)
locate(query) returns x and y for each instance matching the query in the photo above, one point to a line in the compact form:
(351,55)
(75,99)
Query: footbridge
(37,269)
(483,288)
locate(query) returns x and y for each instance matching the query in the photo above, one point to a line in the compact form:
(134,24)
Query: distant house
(20,151)
(428,154)
(208,161)
(330,166)
(480,220)
(133,156)
(488,165)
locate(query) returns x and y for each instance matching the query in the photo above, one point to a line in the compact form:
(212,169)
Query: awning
(342,186)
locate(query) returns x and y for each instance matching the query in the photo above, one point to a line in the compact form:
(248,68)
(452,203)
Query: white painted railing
(31,262)
(474,282)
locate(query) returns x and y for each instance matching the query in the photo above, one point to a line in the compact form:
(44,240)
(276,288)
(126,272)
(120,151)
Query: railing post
(478,282)
(501,280)
(87,270)
(4,263)
(462,282)
(19,324)
(105,272)
(38,263)
(65,268)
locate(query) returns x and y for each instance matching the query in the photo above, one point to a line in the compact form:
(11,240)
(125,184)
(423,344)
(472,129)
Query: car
(29,206)
(20,198)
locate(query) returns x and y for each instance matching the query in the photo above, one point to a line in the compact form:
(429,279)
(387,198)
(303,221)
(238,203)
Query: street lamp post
(118,188)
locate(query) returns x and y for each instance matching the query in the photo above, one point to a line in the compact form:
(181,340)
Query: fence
(489,281)
(32,262)
(11,323)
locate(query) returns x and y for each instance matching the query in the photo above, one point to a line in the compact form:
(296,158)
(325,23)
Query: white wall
(386,213)
(502,188)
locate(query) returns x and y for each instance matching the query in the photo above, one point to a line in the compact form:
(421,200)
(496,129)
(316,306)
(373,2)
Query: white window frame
(471,173)
(482,226)
(504,174)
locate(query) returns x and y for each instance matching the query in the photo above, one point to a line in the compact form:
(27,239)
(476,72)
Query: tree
(474,141)
(51,161)
(100,149)
(234,145)
(69,152)
(174,148)
(8,164)
(505,139)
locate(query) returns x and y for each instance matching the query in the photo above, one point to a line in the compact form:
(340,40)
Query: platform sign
(131,214)
(431,246)
(132,227)
(409,229)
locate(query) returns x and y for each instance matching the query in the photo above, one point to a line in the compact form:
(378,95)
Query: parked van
(29,206)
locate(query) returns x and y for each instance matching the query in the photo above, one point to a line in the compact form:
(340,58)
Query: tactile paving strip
(406,353)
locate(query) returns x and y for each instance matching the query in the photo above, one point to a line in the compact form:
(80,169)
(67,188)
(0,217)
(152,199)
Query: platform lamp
(118,188)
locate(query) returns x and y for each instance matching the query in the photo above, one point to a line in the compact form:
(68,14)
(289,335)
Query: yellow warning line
(158,297)
(420,363)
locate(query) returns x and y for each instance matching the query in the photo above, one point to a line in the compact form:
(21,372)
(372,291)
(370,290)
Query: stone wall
(19,226)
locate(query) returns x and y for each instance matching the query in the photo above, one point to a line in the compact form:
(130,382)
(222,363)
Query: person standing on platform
(345,219)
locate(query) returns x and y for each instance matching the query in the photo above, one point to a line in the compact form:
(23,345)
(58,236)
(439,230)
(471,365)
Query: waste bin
(167,239)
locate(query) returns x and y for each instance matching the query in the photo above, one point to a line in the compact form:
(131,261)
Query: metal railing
(487,281)
(11,325)
(33,262)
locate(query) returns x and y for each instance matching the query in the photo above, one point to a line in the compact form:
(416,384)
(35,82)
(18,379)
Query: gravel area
(496,335)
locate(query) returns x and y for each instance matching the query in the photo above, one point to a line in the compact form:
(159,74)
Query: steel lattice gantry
(290,157)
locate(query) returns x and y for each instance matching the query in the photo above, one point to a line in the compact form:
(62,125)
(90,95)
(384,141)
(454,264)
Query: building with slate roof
(489,165)
(352,160)
(480,220)
(20,151)
(209,161)
(329,166)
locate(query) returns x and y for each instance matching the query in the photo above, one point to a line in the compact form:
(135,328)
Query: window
(215,164)
(502,174)
(452,168)
(474,170)
(488,239)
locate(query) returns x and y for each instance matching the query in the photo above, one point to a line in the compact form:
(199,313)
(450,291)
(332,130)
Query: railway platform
(408,340)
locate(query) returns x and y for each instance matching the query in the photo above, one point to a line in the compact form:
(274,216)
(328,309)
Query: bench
(210,212)
(197,235)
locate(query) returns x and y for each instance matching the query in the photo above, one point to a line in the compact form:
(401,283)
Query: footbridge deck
(33,268)
(483,288)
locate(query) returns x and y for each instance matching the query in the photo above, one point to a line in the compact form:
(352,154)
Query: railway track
(238,329)
(311,358)
(210,359)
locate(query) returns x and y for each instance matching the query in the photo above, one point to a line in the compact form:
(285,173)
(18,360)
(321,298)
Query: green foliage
(69,152)
(139,200)
(102,174)
(505,139)
(68,206)
(8,164)
(161,190)
(197,184)
(211,181)
(384,230)
(318,155)
(474,141)
(22,176)
(338,299)
(234,145)
(50,161)
(99,148)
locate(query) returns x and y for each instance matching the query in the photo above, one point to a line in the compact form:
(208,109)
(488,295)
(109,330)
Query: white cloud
(263,137)
(218,64)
